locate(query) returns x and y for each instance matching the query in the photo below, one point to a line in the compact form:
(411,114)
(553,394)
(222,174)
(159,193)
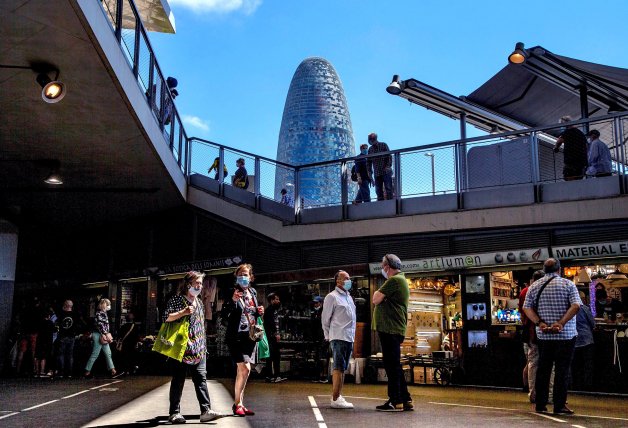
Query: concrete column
(8,257)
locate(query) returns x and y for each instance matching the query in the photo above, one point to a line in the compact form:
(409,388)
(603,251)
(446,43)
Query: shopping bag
(263,351)
(172,339)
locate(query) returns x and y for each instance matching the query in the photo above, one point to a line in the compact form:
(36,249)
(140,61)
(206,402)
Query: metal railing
(135,45)
(452,167)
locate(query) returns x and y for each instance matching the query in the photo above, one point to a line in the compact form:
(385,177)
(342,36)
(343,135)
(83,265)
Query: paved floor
(143,402)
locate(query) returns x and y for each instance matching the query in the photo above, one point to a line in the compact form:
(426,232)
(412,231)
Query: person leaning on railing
(215,166)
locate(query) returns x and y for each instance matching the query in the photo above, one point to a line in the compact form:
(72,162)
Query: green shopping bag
(262,346)
(172,339)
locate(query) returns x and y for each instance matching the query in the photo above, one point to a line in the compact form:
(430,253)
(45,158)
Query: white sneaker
(209,415)
(341,403)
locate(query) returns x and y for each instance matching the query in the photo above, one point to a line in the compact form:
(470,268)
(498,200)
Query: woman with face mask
(239,313)
(187,304)
(101,328)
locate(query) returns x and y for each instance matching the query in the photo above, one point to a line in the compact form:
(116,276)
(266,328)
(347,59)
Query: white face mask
(195,291)
(384,274)
(107,308)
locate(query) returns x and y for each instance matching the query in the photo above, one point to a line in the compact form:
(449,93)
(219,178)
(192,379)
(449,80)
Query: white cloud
(219,6)
(195,122)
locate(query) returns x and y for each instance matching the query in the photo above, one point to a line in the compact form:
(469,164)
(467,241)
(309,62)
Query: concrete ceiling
(111,171)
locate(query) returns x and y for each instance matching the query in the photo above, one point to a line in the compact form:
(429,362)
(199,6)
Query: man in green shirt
(390,317)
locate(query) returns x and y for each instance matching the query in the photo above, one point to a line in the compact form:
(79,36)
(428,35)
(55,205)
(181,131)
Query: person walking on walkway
(551,304)
(101,329)
(390,318)
(364,176)
(575,152)
(240,313)
(600,161)
(338,320)
(186,303)
(381,167)
(67,325)
(530,349)
(271,327)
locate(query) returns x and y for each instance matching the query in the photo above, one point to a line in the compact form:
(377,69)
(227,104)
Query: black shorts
(242,348)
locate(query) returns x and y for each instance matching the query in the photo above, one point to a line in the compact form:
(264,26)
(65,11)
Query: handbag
(256,330)
(172,339)
(263,350)
(104,339)
(121,341)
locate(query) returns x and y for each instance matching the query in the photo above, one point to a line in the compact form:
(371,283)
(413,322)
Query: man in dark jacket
(575,151)
(271,326)
(363,170)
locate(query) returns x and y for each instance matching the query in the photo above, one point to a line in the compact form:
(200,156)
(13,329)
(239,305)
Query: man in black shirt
(67,325)
(271,326)
(575,151)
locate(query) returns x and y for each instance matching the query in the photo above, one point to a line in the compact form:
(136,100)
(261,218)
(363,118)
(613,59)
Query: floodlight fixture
(395,86)
(519,55)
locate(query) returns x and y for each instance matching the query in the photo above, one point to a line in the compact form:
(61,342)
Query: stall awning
(548,86)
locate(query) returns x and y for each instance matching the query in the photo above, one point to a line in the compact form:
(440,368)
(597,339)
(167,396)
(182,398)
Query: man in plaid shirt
(381,167)
(552,309)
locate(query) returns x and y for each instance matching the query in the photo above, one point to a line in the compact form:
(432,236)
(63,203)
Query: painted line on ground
(74,395)
(578,426)
(354,396)
(9,414)
(317,412)
(470,405)
(603,417)
(106,384)
(39,405)
(551,418)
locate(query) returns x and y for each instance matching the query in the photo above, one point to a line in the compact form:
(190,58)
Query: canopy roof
(548,86)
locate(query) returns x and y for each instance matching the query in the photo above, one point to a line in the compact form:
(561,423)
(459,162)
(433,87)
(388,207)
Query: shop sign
(500,258)
(591,251)
(201,265)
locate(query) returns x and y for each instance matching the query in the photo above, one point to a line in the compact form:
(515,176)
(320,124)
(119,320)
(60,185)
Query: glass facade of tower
(315,127)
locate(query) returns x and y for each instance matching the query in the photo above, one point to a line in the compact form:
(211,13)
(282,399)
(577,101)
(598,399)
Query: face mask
(384,274)
(107,308)
(364,151)
(347,285)
(195,291)
(316,308)
(243,281)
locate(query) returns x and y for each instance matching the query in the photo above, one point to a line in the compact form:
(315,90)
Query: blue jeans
(364,192)
(179,372)
(384,182)
(65,357)
(341,352)
(96,347)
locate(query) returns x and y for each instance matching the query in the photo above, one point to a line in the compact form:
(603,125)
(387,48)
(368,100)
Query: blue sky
(234,59)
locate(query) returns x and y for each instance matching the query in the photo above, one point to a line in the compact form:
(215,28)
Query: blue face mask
(347,285)
(364,151)
(243,281)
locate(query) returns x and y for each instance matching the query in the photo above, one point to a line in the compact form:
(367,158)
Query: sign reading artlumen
(501,258)
(591,251)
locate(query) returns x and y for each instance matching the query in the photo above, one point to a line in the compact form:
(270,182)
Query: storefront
(299,327)
(465,305)
(593,267)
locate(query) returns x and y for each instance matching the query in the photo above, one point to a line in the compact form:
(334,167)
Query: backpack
(354,173)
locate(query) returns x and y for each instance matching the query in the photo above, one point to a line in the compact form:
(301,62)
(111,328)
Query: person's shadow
(163,420)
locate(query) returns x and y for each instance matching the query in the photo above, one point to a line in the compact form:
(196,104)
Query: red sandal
(238,410)
(248,412)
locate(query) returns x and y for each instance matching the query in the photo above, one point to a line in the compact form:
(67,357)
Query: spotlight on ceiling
(52,91)
(519,55)
(613,107)
(494,129)
(53,177)
(395,86)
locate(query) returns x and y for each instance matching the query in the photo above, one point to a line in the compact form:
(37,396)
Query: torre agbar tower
(315,127)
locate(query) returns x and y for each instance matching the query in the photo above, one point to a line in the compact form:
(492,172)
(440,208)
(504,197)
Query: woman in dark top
(239,313)
(187,303)
(101,328)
